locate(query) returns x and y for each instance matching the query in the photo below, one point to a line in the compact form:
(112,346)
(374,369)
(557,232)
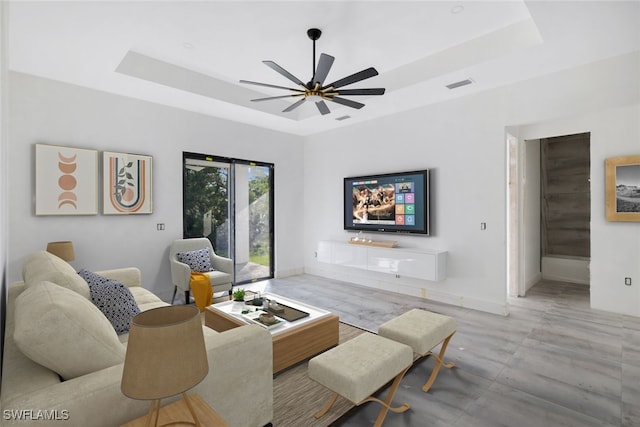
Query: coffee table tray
(254,318)
(289,314)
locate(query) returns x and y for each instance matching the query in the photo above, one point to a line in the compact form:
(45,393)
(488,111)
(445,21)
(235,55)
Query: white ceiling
(191,54)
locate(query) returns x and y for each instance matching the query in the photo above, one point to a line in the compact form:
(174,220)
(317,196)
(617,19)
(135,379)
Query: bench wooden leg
(439,363)
(327,406)
(386,405)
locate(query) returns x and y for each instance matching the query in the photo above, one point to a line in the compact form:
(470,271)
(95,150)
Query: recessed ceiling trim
(144,67)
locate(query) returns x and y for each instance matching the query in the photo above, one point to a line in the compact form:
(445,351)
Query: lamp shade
(166,353)
(62,250)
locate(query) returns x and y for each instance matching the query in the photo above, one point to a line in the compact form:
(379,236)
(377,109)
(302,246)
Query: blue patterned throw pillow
(114,299)
(199,260)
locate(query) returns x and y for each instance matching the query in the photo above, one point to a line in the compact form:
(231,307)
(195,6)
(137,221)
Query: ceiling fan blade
(360,75)
(347,102)
(372,91)
(294,105)
(322,107)
(277,97)
(284,72)
(268,85)
(324,65)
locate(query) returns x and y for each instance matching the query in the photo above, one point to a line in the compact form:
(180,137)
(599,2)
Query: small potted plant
(238,298)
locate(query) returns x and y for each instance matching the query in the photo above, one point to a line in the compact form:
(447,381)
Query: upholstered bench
(359,367)
(422,330)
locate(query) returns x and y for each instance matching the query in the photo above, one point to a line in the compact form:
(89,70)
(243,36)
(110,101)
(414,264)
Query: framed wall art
(66,180)
(623,188)
(126,184)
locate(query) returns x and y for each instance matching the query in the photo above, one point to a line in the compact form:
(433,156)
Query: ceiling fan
(315,90)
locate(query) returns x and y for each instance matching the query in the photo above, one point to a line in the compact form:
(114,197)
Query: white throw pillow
(65,332)
(44,266)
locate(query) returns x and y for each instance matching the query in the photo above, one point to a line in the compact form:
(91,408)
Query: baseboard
(279,274)
(566,269)
(567,279)
(529,283)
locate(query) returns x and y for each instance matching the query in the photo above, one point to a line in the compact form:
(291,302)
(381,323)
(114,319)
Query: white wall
(463,141)
(3,169)
(45,111)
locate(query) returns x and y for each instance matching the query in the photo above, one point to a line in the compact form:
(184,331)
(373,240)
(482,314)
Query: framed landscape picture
(66,180)
(623,188)
(126,184)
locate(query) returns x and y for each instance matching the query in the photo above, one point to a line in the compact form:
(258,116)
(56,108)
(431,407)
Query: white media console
(424,264)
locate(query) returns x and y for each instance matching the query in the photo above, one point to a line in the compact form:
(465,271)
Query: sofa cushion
(44,266)
(64,331)
(113,298)
(198,260)
(145,298)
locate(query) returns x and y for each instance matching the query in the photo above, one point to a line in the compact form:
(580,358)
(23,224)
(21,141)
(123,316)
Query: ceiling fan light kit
(315,91)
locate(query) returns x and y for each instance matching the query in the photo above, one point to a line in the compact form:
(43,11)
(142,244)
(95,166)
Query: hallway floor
(553,361)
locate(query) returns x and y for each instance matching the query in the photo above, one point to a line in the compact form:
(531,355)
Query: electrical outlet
(160,227)
(627,281)
(483,226)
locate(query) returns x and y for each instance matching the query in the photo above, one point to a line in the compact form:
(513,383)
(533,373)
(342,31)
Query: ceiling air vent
(460,83)
(343,118)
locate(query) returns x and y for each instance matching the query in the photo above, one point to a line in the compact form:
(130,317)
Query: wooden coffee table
(293,341)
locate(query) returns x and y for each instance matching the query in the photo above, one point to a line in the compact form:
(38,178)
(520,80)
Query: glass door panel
(206,203)
(253,216)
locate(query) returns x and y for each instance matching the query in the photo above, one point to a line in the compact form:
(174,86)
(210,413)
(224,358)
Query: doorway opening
(548,211)
(230,201)
(565,216)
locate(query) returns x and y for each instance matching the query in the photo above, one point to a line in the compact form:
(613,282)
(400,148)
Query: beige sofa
(73,370)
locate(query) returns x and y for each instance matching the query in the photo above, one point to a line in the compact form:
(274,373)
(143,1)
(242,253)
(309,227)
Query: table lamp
(62,250)
(165,356)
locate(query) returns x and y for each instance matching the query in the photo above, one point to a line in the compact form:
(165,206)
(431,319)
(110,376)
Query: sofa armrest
(85,400)
(130,276)
(240,365)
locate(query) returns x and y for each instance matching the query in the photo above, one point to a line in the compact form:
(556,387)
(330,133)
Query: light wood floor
(552,362)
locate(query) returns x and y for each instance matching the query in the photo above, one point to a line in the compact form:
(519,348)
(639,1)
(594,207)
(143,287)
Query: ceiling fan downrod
(314,34)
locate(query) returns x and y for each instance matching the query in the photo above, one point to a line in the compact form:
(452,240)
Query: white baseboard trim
(568,279)
(279,274)
(566,269)
(532,281)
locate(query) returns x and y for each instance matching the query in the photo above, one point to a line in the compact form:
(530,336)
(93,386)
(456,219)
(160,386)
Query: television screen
(394,202)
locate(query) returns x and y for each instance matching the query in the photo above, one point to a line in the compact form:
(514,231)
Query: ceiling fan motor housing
(314,33)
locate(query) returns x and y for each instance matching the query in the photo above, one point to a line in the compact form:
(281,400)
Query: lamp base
(176,411)
(154,414)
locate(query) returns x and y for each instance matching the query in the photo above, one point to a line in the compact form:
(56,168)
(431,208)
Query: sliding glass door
(230,201)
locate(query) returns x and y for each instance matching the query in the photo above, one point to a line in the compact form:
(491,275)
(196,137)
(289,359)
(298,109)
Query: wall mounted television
(391,202)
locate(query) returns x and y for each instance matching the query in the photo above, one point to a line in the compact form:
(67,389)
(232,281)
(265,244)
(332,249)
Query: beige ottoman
(422,330)
(359,367)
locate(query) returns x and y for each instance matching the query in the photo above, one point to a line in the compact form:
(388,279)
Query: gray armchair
(221,278)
